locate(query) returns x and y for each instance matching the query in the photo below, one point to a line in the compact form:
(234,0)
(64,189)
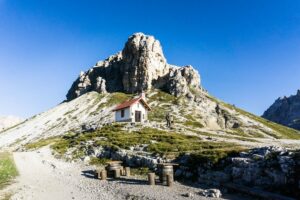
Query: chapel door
(138,116)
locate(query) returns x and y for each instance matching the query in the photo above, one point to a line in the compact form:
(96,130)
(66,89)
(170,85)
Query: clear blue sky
(247,52)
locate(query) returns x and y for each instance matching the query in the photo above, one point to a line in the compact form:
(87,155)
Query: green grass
(8,170)
(168,144)
(192,122)
(41,143)
(140,171)
(117,98)
(213,156)
(163,97)
(112,100)
(283,131)
(236,137)
(159,111)
(99,161)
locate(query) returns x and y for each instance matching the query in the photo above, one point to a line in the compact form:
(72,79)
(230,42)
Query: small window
(143,116)
(122,113)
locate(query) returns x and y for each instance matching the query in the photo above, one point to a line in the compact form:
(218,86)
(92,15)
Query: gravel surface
(44,177)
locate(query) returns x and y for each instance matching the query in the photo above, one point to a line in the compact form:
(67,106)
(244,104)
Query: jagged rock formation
(285,111)
(169,89)
(139,67)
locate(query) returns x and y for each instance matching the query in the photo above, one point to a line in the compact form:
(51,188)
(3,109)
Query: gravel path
(44,177)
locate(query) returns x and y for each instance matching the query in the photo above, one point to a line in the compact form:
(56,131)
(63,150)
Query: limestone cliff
(140,66)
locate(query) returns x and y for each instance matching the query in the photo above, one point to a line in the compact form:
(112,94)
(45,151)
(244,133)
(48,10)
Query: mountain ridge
(168,88)
(285,111)
(140,66)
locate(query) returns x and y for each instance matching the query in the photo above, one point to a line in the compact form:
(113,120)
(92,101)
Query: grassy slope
(164,103)
(8,169)
(166,144)
(283,131)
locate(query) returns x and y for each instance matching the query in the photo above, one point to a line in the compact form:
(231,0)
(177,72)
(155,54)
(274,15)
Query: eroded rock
(140,66)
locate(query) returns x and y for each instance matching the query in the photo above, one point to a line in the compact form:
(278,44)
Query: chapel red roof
(127,104)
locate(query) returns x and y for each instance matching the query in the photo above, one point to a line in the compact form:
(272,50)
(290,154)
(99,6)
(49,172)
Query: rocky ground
(9,121)
(44,177)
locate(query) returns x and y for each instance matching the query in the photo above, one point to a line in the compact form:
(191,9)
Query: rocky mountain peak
(285,111)
(144,62)
(140,66)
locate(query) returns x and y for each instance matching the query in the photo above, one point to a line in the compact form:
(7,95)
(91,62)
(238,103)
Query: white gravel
(44,177)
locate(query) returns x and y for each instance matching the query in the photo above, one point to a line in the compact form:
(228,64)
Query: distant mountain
(141,66)
(285,111)
(9,121)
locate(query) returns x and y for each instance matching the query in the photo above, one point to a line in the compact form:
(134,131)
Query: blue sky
(247,52)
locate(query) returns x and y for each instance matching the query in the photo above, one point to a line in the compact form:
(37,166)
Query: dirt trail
(44,177)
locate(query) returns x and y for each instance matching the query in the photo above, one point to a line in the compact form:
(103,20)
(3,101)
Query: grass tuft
(8,170)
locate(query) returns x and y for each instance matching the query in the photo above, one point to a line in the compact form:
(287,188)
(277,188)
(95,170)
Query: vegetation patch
(117,98)
(283,131)
(41,143)
(140,171)
(8,170)
(164,105)
(192,122)
(99,161)
(213,156)
(164,143)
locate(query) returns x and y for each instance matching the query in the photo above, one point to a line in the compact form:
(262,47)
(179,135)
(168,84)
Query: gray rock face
(144,62)
(285,111)
(182,80)
(215,193)
(264,167)
(139,67)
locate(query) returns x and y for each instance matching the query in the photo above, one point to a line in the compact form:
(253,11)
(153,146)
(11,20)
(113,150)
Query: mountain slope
(192,118)
(141,66)
(8,121)
(285,111)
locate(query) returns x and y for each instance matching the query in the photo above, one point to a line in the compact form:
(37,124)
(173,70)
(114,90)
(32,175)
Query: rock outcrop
(285,111)
(140,66)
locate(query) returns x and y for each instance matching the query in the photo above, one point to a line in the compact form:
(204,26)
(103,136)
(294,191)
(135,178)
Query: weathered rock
(100,85)
(86,160)
(182,80)
(189,195)
(211,193)
(285,111)
(144,62)
(139,67)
